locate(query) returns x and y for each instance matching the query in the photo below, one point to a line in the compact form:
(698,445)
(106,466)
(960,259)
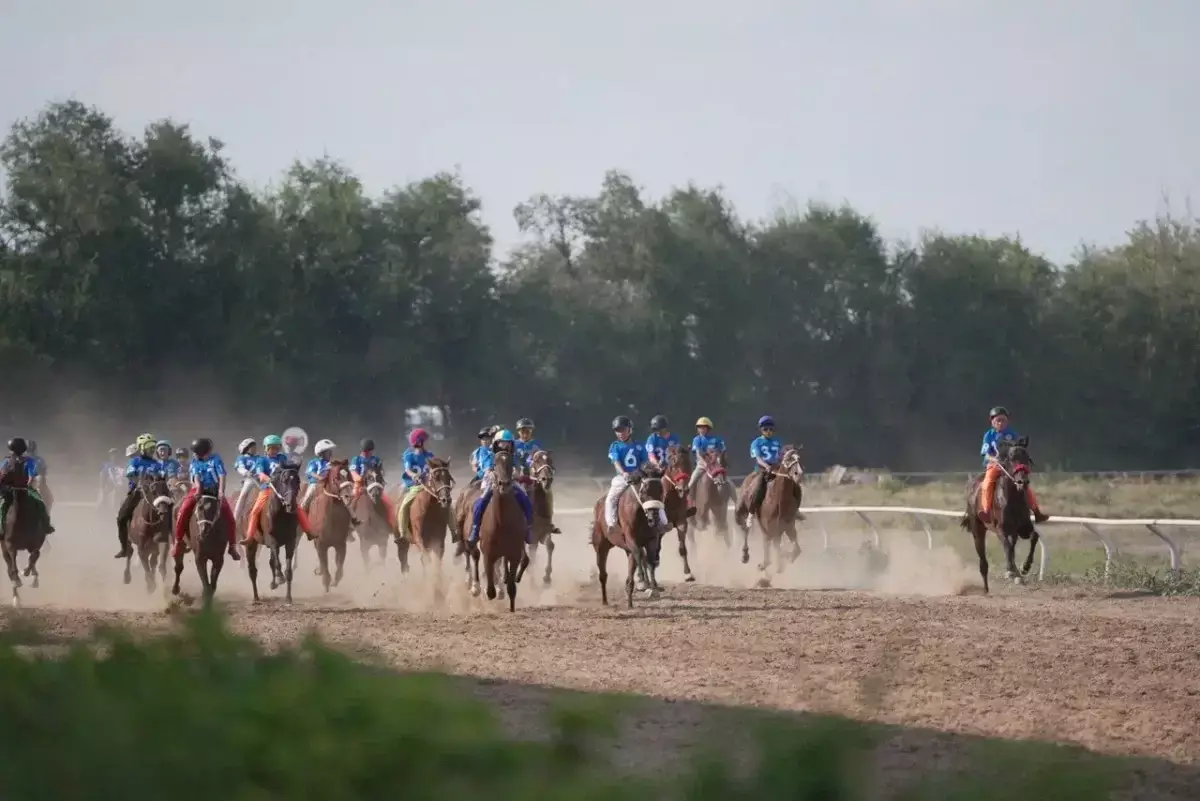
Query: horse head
(1015,458)
(156,492)
(679,466)
(440,482)
(541,469)
(373,481)
(791,463)
(338,483)
(208,512)
(717,467)
(285,483)
(502,472)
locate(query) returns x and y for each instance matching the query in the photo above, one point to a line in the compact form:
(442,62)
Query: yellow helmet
(704,421)
(145,441)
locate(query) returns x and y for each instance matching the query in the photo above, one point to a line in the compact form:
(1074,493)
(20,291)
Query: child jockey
(264,467)
(207,473)
(1000,432)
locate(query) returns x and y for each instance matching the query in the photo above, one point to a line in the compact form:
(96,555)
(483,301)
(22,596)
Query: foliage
(200,714)
(125,257)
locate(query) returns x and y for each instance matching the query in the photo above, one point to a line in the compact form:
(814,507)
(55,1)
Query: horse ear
(1023,442)
(447,461)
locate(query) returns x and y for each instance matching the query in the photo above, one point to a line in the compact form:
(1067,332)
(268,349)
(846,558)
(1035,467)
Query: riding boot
(123,537)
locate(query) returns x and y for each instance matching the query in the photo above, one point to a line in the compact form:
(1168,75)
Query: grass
(202,714)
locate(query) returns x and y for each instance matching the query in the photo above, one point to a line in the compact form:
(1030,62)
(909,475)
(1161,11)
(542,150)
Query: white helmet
(131,451)
(246,443)
(324,446)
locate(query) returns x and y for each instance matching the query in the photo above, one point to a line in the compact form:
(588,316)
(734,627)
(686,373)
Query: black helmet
(997,411)
(621,421)
(32,446)
(367,445)
(485,433)
(659,422)
(202,446)
(17,445)
(524,422)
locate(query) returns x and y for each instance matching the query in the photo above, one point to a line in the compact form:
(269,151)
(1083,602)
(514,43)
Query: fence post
(1172,548)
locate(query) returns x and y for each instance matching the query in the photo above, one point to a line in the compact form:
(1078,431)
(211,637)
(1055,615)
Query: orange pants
(387,502)
(187,507)
(988,492)
(260,503)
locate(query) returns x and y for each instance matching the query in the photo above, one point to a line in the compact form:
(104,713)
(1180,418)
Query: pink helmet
(418,437)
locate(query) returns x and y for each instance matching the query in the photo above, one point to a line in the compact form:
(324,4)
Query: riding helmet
(504,436)
(162,443)
(704,421)
(524,422)
(997,411)
(485,433)
(417,437)
(17,446)
(272,440)
(248,442)
(659,423)
(367,445)
(766,421)
(202,447)
(621,421)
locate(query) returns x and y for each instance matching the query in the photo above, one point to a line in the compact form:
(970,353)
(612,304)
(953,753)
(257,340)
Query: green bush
(201,714)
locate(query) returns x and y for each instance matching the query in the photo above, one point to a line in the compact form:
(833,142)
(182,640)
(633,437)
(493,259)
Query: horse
(207,539)
(150,529)
(675,500)
(278,527)
(331,520)
(637,534)
(779,509)
(371,508)
(501,536)
(1010,517)
(24,528)
(712,492)
(541,478)
(429,518)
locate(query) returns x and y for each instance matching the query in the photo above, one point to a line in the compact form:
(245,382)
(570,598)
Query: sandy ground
(912,646)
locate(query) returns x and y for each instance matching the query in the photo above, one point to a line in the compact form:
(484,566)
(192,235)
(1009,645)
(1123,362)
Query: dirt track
(1118,675)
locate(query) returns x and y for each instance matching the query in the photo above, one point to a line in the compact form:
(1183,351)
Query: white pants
(612,501)
(699,471)
(249,488)
(308,493)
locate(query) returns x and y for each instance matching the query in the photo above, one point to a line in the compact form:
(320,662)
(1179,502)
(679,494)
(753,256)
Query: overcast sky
(1062,120)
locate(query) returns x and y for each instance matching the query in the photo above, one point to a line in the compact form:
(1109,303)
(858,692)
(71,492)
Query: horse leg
(163,551)
(252,568)
(473,570)
(127,578)
(979,534)
(364,548)
(217,564)
(602,569)
(323,566)
(31,567)
(549,560)
(683,553)
(635,563)
(1033,541)
(794,536)
(10,560)
(147,568)
(489,567)
(766,540)
(288,551)
(178,573)
(510,583)
(1010,559)
(339,563)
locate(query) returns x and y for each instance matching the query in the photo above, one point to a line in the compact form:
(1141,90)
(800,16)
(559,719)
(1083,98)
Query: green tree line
(130,263)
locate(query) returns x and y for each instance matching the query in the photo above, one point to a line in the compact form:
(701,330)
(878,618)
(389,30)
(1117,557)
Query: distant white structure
(429,418)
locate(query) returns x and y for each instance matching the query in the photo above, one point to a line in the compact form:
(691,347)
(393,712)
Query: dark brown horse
(675,500)
(372,509)
(207,539)
(24,524)
(278,528)
(712,493)
(150,529)
(779,508)
(501,536)
(1011,513)
(331,520)
(541,474)
(636,534)
(429,519)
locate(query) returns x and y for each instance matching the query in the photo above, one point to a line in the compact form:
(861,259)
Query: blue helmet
(504,436)
(766,421)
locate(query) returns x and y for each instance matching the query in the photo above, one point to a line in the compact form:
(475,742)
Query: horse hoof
(28,572)
(1018,580)
(474,591)
(128,579)
(16,602)
(545,581)
(745,557)
(36,583)
(689,577)
(764,582)
(274,585)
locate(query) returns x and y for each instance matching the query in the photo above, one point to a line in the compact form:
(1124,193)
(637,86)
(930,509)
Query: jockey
(318,466)
(704,442)
(141,463)
(504,442)
(481,453)
(360,464)
(207,472)
(765,450)
(1000,432)
(38,461)
(659,440)
(628,457)
(416,458)
(245,463)
(525,446)
(17,450)
(166,461)
(181,456)
(264,467)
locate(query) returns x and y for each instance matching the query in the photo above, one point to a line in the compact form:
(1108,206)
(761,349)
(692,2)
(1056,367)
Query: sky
(1062,121)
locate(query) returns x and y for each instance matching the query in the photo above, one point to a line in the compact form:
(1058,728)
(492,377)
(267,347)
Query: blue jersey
(141,466)
(208,471)
(477,457)
(703,444)
(414,461)
(524,451)
(31,468)
(170,468)
(487,460)
(766,448)
(244,464)
(266,465)
(361,464)
(317,468)
(992,440)
(658,445)
(629,456)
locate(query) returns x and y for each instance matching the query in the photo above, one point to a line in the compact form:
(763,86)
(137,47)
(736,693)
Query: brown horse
(331,520)
(1010,517)
(150,529)
(207,539)
(501,536)
(372,508)
(675,500)
(429,518)
(713,492)
(278,527)
(541,474)
(776,508)
(636,534)
(24,524)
